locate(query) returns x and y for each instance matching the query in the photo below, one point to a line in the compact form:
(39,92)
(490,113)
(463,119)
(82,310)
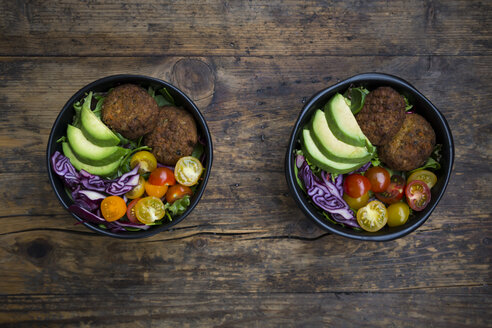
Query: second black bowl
(422,106)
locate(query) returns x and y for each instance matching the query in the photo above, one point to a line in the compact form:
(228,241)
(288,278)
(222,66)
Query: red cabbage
(89,190)
(123,184)
(92,182)
(73,179)
(326,194)
(64,169)
(88,199)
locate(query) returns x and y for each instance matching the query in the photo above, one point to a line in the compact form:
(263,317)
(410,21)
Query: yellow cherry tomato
(398,214)
(138,190)
(113,208)
(156,191)
(150,209)
(146,159)
(188,170)
(358,202)
(423,175)
(373,216)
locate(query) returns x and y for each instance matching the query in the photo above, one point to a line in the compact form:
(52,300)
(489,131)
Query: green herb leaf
(198,150)
(62,139)
(357,98)
(408,106)
(167,96)
(179,206)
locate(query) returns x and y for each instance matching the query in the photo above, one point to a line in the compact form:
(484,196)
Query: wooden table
(246,256)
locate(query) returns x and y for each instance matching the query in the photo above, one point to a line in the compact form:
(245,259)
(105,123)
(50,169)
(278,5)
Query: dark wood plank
(246,256)
(142,28)
(257,310)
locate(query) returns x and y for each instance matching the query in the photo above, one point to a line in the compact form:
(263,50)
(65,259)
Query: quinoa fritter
(411,146)
(382,115)
(174,136)
(129,110)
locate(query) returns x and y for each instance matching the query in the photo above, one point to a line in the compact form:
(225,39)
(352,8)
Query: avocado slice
(94,129)
(314,155)
(90,153)
(104,170)
(343,123)
(333,148)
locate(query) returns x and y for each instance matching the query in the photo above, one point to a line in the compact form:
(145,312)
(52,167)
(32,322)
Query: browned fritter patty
(411,146)
(382,115)
(174,136)
(129,110)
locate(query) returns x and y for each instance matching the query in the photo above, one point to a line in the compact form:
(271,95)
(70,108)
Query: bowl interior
(65,117)
(422,106)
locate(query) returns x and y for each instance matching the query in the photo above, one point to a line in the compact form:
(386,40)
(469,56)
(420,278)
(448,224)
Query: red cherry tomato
(394,192)
(162,176)
(379,178)
(130,211)
(177,192)
(418,195)
(356,185)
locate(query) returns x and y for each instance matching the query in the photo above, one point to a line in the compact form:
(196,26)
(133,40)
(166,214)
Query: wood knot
(39,248)
(199,243)
(196,79)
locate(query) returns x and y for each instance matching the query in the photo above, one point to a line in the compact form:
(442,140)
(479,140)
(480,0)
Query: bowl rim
(298,194)
(137,79)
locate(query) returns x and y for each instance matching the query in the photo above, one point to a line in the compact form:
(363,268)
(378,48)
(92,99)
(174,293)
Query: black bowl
(65,117)
(422,106)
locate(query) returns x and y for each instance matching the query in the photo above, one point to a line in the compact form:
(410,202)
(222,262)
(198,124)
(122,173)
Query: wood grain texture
(246,256)
(177,28)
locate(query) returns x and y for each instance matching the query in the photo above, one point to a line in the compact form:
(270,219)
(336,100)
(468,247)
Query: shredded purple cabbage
(63,168)
(88,199)
(326,194)
(88,191)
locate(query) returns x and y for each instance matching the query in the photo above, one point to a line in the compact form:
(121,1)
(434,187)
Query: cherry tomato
(356,185)
(149,209)
(156,191)
(394,192)
(188,170)
(398,214)
(138,190)
(373,216)
(113,208)
(162,176)
(379,178)
(423,175)
(418,195)
(358,202)
(177,192)
(130,211)
(146,159)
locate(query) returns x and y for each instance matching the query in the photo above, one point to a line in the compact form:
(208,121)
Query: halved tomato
(130,211)
(113,208)
(188,170)
(418,195)
(423,175)
(394,192)
(373,216)
(146,159)
(150,209)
